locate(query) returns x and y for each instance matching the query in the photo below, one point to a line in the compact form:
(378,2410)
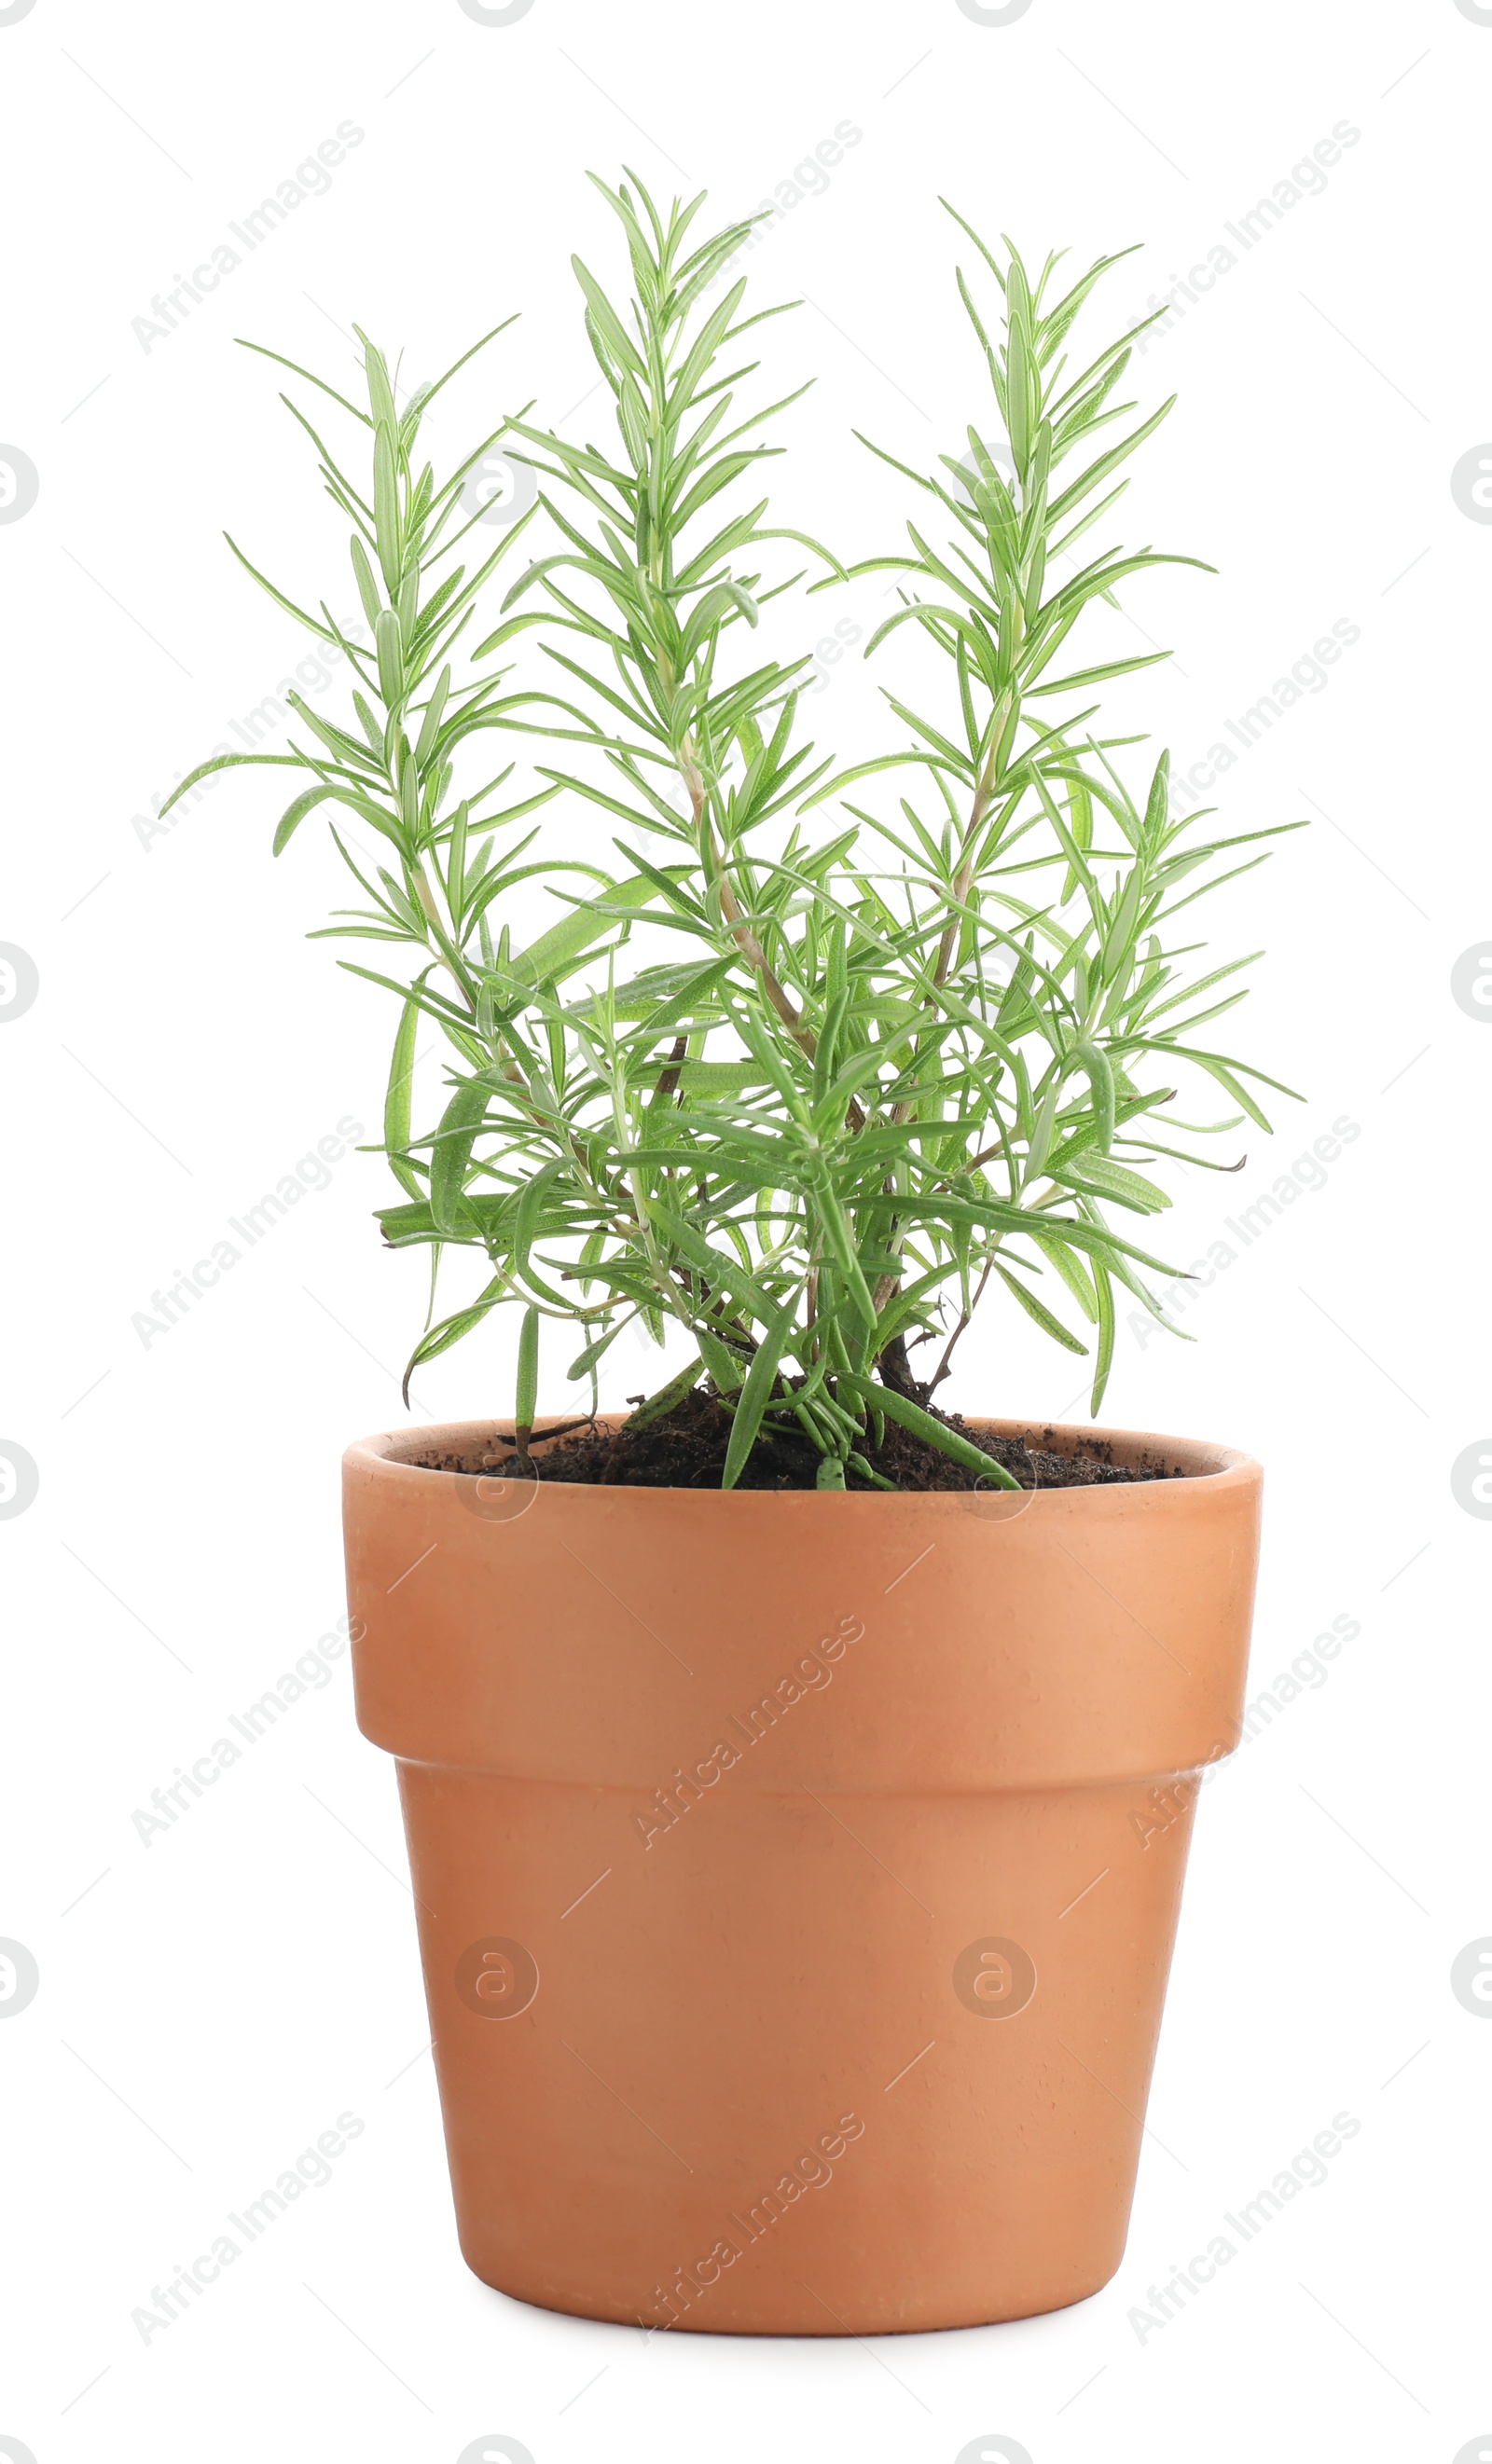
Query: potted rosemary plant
(778,1759)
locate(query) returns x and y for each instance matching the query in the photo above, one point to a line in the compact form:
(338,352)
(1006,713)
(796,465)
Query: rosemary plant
(892,1043)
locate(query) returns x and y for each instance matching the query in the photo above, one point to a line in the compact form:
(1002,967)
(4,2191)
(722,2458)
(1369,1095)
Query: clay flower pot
(797,1875)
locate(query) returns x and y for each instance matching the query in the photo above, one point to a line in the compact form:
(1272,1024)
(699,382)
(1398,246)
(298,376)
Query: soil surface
(685,1448)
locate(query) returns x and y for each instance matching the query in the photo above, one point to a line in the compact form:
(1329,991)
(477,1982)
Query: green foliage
(872,1062)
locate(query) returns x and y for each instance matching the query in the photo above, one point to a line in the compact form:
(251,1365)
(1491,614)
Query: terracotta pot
(797,1875)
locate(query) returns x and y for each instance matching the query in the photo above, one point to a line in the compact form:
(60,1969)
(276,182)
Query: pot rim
(386,1453)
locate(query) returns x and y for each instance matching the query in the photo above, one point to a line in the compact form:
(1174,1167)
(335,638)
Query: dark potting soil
(685,1448)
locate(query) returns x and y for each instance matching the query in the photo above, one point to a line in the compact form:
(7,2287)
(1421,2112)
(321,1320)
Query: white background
(211,2002)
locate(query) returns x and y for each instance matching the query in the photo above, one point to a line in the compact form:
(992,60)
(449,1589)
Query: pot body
(797,1875)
